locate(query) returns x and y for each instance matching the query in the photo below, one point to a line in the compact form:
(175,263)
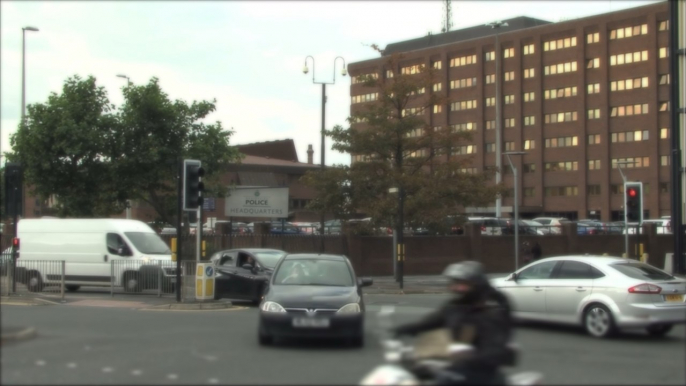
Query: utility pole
(447,19)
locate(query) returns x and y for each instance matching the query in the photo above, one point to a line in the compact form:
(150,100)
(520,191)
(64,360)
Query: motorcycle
(406,365)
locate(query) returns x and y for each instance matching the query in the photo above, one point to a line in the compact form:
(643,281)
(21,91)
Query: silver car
(601,293)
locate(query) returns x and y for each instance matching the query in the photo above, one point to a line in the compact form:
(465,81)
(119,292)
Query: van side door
(117,250)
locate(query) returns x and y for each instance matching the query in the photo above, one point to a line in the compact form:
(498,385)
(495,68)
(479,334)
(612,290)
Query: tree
(396,149)
(93,159)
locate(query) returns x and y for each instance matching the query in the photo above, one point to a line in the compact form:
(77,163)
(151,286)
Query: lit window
(664,52)
(490,78)
(664,25)
(528,49)
(529,121)
(437,65)
(664,133)
(529,144)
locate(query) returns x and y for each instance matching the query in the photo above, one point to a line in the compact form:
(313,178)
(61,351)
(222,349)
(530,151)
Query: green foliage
(400,149)
(77,148)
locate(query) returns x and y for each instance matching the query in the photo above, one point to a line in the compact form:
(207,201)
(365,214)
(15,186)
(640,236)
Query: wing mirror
(249,267)
(365,281)
(512,276)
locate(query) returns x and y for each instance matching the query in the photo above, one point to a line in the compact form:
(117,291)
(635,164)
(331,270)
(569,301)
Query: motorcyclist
(477,315)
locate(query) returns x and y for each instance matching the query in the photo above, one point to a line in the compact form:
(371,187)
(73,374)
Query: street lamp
(128,202)
(626,223)
(125,77)
(23,69)
(498,135)
(344,72)
(516,204)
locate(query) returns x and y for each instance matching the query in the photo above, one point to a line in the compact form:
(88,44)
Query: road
(110,345)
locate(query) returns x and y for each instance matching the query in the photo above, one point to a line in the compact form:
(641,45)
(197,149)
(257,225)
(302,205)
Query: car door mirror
(249,267)
(365,281)
(512,276)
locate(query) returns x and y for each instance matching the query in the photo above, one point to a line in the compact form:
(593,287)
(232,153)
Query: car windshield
(314,272)
(148,243)
(642,271)
(269,259)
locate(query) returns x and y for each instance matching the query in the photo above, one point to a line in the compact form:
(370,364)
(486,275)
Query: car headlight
(352,308)
(272,307)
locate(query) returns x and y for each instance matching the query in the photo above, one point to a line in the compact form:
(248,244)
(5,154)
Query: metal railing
(36,276)
(155,277)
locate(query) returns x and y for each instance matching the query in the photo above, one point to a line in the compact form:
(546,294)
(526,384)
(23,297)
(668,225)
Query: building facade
(579,97)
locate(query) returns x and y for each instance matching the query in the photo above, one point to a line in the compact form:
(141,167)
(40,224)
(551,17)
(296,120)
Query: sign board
(208,204)
(257,202)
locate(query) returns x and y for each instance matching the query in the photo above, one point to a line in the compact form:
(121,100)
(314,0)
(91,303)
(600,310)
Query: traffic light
(13,189)
(192,184)
(633,196)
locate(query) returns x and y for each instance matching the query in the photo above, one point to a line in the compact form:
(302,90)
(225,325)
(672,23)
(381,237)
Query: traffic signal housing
(13,189)
(192,184)
(633,196)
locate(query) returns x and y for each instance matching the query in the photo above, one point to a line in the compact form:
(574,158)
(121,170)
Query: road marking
(107,369)
(136,372)
(71,365)
(40,362)
(213,381)
(173,377)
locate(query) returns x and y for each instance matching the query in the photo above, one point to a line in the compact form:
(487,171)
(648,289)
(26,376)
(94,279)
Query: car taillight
(483,228)
(645,288)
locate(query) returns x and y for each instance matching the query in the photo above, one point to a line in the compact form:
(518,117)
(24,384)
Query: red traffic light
(631,192)
(15,243)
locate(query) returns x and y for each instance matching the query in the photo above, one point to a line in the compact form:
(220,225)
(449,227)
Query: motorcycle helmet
(471,273)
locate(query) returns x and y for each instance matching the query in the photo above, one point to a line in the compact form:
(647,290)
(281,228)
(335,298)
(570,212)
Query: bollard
(63,272)
(159,278)
(112,278)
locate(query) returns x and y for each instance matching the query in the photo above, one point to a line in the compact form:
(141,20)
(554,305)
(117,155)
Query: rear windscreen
(642,271)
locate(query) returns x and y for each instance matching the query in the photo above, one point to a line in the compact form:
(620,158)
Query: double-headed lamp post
(128,203)
(344,72)
(498,135)
(516,204)
(626,221)
(125,77)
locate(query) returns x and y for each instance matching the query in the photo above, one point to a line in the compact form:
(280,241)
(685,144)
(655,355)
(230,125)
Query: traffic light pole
(198,234)
(179,218)
(626,220)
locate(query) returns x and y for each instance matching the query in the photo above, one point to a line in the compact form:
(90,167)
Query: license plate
(311,323)
(674,298)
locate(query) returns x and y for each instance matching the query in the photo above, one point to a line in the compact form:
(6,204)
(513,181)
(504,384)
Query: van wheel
(131,283)
(72,288)
(34,282)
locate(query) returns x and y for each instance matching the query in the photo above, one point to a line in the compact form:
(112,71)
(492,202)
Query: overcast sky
(247,55)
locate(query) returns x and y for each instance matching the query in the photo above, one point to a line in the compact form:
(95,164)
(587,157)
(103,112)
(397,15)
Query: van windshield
(148,243)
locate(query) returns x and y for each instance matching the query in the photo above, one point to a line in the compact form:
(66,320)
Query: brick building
(578,96)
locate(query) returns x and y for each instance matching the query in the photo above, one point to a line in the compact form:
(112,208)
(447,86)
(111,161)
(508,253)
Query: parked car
(554,223)
(588,228)
(603,294)
(236,278)
(664,226)
(332,227)
(531,227)
(615,227)
(491,226)
(313,296)
(309,228)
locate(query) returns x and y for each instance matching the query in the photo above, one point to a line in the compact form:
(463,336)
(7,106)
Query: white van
(88,247)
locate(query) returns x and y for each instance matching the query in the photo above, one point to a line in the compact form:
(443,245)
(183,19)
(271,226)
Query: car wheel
(598,321)
(357,342)
(72,288)
(131,283)
(265,339)
(34,282)
(659,329)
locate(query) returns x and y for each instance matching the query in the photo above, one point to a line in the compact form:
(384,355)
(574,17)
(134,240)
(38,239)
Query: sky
(248,55)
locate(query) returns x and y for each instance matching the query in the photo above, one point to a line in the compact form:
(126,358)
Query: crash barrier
(151,277)
(38,276)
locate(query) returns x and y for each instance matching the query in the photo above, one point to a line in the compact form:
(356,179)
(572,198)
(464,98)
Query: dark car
(236,278)
(313,296)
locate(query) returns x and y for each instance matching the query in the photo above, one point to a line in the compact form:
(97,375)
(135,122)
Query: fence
(44,276)
(152,277)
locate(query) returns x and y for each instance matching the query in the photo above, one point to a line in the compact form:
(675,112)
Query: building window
(664,52)
(529,121)
(413,111)
(490,79)
(593,38)
(594,139)
(594,164)
(559,68)
(561,166)
(664,187)
(508,53)
(468,126)
(415,133)
(462,83)
(593,63)
(509,122)
(362,78)
(630,136)
(664,160)
(629,57)
(569,116)
(437,65)
(664,106)
(529,168)
(594,88)
(561,191)
(467,149)
(663,25)
(437,87)
(490,148)
(529,144)
(365,98)
(509,99)
(463,61)
(621,111)
(529,96)
(627,32)
(468,170)
(594,114)
(593,190)
(389,74)
(489,56)
(635,162)
(559,44)
(411,70)
(438,109)
(490,101)
(617,189)
(509,146)
(664,133)
(664,79)
(509,76)
(528,73)
(529,49)
(463,105)
(565,92)
(562,142)
(629,84)
(528,192)
(490,125)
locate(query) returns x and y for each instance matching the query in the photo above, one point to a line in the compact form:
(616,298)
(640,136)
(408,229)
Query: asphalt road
(106,345)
